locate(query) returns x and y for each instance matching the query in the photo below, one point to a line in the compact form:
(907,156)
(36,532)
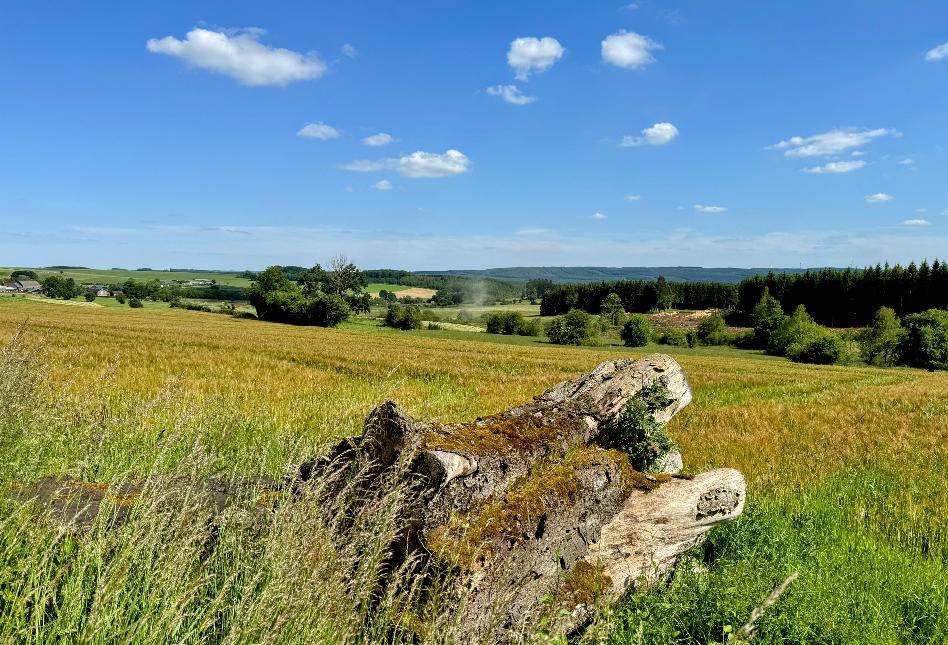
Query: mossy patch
(583,585)
(504,435)
(514,516)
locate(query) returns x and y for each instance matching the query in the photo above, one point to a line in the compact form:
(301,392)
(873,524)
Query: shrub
(512,322)
(135,303)
(405,318)
(711,330)
(925,342)
(611,311)
(573,328)
(531,327)
(504,322)
(120,299)
(767,318)
(638,433)
(824,350)
(636,332)
(89,296)
(674,337)
(794,333)
(879,343)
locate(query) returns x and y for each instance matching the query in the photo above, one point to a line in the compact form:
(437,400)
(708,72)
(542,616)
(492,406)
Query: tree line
(639,296)
(851,297)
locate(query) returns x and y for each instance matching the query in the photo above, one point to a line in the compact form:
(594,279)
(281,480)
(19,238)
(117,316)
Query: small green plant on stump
(638,433)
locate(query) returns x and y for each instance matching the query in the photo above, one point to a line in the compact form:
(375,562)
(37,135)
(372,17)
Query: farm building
(28,286)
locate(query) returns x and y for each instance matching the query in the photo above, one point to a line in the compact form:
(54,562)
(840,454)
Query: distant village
(101,290)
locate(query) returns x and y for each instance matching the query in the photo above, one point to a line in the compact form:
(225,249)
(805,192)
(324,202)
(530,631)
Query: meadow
(846,470)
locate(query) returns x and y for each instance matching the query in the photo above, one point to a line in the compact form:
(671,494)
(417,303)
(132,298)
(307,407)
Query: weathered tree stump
(534,512)
(541,520)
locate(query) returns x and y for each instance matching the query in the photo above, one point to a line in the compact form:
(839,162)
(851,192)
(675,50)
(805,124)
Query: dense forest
(451,289)
(581,275)
(640,296)
(850,297)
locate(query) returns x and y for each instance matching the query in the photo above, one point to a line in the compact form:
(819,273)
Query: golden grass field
(287,392)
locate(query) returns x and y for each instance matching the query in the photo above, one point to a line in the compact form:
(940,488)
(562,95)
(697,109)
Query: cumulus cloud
(383,184)
(835,167)
(916,222)
(830,143)
(656,135)
(938,53)
(633,198)
(377,140)
(878,198)
(240,55)
(417,165)
(598,216)
(629,50)
(533,55)
(511,94)
(710,210)
(318,130)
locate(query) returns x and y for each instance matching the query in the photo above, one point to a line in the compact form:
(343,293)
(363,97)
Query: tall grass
(846,473)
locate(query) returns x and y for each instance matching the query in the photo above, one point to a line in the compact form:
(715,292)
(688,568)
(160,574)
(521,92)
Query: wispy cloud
(382,184)
(511,94)
(916,222)
(597,216)
(377,140)
(318,130)
(656,135)
(937,53)
(830,143)
(632,198)
(416,165)
(710,210)
(349,50)
(240,55)
(878,198)
(835,167)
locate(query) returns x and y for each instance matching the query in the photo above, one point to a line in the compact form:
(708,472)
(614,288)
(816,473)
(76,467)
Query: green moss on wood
(514,516)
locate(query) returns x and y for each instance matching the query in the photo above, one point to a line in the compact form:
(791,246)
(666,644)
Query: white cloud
(657,135)
(380,139)
(629,50)
(908,161)
(533,55)
(349,50)
(711,210)
(632,6)
(921,210)
(240,55)
(318,130)
(938,53)
(830,143)
(416,165)
(598,216)
(383,184)
(633,198)
(878,198)
(916,222)
(511,94)
(835,167)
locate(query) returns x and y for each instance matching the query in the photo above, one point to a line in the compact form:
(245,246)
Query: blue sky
(237,135)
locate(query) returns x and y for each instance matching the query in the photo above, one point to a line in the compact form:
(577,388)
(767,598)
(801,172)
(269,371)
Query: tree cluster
(404,318)
(576,327)
(512,323)
(56,286)
(639,296)
(851,297)
(319,297)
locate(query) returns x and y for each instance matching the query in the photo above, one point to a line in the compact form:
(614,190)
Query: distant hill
(573,275)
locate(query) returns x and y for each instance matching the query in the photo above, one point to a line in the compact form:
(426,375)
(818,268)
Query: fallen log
(540,514)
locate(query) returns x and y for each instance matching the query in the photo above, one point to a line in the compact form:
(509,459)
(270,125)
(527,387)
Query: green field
(846,470)
(109,276)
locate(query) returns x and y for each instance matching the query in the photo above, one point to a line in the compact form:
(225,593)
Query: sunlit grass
(845,465)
